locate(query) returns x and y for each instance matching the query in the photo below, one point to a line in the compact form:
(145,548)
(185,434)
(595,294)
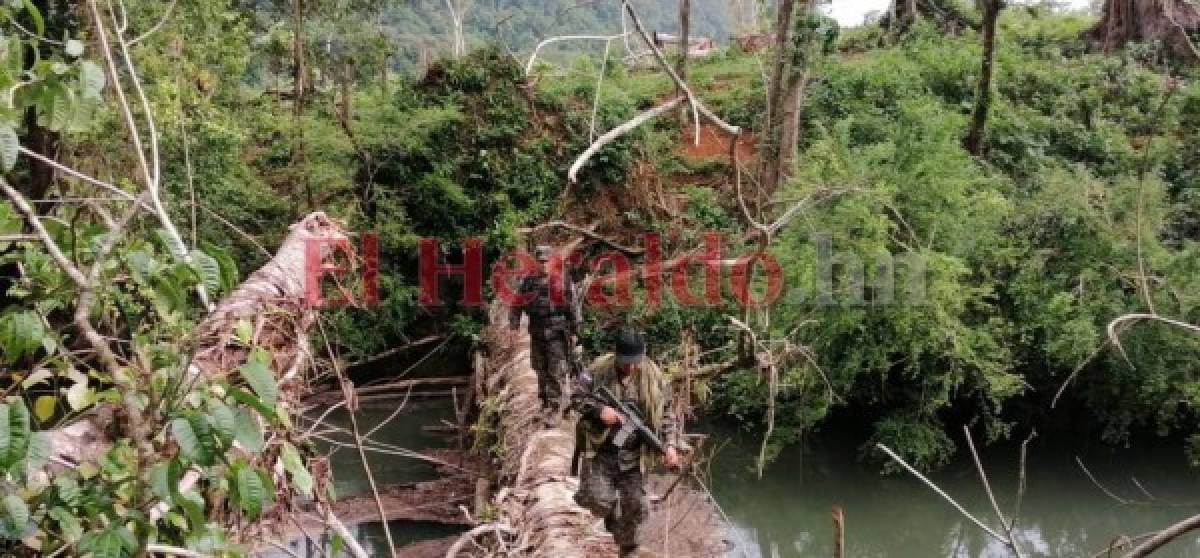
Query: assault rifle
(633,428)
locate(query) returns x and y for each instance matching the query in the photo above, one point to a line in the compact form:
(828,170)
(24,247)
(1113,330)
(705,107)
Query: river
(787,512)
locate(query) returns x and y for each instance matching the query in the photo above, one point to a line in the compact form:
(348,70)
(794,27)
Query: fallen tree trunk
(271,300)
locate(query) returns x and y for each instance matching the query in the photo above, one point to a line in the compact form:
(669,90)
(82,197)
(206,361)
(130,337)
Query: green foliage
(1026,255)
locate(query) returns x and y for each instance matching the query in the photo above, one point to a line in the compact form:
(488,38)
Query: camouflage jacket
(548,311)
(649,389)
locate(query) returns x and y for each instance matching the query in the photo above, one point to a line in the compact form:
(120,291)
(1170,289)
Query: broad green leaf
(16,513)
(68,524)
(16,55)
(209,271)
(247,431)
(44,406)
(159,479)
(336,543)
(295,467)
(21,333)
(9,222)
(14,435)
(224,422)
(35,14)
(114,542)
(5,434)
(250,490)
(244,331)
(68,490)
(91,80)
(40,449)
(242,396)
(9,145)
(260,378)
(173,245)
(195,438)
(193,505)
(170,294)
(229,270)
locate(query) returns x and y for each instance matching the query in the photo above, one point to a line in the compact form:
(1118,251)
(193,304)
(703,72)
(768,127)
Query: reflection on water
(404,431)
(787,513)
(371,537)
(349,479)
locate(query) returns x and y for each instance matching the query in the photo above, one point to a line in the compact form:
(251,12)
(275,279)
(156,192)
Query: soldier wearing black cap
(612,481)
(554,319)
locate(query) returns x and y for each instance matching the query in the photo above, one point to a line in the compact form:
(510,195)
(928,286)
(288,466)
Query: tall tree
(802,34)
(976,139)
(1170,21)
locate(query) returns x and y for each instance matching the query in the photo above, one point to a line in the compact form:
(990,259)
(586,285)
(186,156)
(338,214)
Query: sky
(851,12)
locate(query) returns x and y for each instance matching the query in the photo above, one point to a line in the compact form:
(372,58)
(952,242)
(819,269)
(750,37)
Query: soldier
(554,320)
(612,482)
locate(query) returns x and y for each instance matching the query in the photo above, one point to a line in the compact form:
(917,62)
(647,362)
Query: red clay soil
(714,143)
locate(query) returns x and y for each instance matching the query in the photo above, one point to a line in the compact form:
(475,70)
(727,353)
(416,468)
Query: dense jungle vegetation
(1084,207)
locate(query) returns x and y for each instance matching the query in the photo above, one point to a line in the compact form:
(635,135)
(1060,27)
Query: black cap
(630,347)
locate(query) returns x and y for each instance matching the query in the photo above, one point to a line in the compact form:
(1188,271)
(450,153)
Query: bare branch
(987,487)
(552,40)
(1165,536)
(628,250)
(31,217)
(698,107)
(81,176)
(1115,325)
(162,21)
(358,438)
(617,132)
(941,493)
(1102,488)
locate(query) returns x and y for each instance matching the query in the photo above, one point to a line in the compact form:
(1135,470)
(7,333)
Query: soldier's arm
(586,405)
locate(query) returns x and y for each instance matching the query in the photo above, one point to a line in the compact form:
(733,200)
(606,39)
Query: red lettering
(740,279)
(620,280)
(652,269)
(502,274)
(712,274)
(430,268)
(317,251)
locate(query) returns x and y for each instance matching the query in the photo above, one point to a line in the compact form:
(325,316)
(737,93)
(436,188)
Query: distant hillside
(425,25)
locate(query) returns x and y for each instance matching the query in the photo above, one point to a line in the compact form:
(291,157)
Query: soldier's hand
(671,458)
(611,417)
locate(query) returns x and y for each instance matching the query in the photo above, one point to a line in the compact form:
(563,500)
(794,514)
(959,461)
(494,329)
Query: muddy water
(349,479)
(405,431)
(787,512)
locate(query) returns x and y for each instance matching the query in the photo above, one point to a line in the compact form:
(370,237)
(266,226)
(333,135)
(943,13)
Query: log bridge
(534,509)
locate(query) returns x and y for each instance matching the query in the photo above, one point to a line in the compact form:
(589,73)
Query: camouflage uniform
(551,323)
(612,480)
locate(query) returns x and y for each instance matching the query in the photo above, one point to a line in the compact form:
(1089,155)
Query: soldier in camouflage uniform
(553,322)
(612,479)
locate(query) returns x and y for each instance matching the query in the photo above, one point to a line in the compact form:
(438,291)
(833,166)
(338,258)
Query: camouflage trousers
(615,495)
(549,360)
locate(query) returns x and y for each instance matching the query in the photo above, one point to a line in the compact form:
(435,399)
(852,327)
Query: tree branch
(617,132)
